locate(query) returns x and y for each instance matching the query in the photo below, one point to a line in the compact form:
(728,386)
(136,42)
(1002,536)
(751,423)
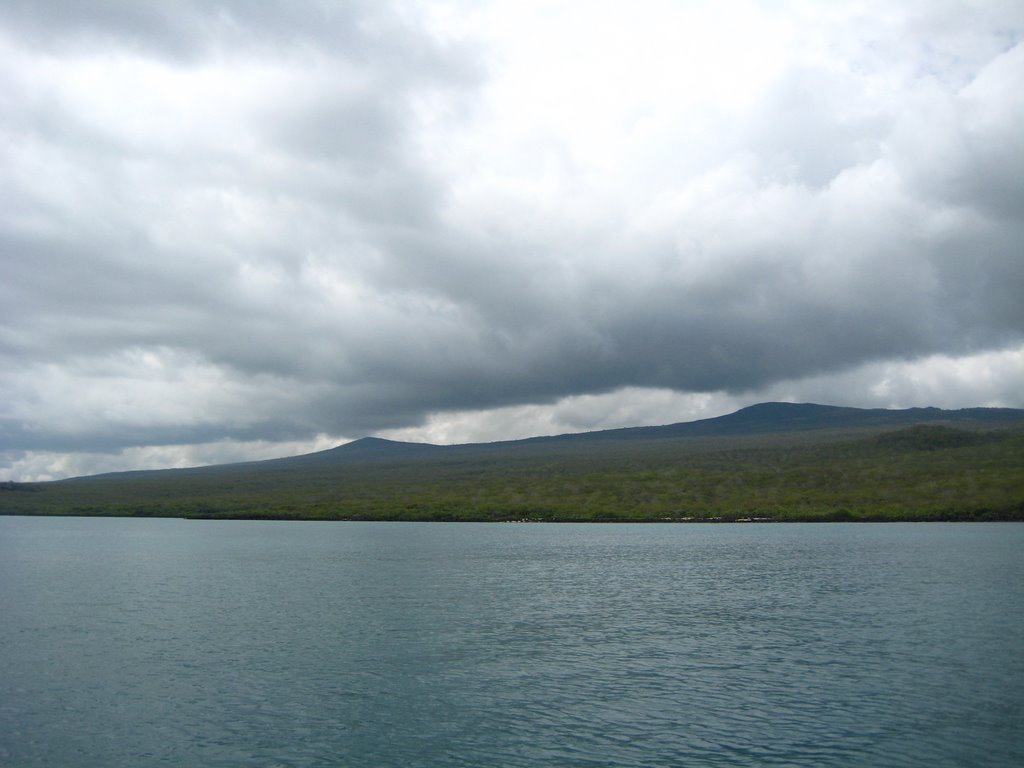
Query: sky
(254,228)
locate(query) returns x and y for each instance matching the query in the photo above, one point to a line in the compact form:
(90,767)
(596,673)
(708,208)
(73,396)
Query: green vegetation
(922,472)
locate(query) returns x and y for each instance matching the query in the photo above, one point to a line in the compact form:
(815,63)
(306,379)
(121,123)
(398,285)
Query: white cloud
(985,380)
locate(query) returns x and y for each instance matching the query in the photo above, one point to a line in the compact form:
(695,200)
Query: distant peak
(780,406)
(370,441)
(381,445)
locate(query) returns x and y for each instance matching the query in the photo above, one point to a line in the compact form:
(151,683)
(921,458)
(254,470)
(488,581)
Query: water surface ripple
(149,642)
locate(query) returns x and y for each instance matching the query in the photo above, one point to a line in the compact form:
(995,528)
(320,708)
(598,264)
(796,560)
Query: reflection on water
(133,642)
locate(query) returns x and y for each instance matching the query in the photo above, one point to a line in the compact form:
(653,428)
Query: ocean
(137,642)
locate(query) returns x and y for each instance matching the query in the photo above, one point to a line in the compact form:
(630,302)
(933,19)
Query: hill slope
(778,461)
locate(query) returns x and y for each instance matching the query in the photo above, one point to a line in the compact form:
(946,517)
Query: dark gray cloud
(265,222)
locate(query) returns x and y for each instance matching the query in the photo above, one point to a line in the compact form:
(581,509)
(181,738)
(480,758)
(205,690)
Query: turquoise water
(172,642)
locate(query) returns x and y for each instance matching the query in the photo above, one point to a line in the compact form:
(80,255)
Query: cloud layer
(278,225)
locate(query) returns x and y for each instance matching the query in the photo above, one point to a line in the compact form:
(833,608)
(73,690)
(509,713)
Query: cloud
(259,223)
(982,380)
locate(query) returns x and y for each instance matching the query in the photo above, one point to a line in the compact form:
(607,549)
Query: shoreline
(981,516)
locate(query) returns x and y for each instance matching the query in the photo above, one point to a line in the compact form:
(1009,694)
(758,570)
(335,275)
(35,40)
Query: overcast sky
(254,228)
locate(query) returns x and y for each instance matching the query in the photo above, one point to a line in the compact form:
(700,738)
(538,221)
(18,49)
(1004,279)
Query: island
(773,462)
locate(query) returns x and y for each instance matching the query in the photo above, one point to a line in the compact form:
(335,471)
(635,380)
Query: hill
(777,461)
